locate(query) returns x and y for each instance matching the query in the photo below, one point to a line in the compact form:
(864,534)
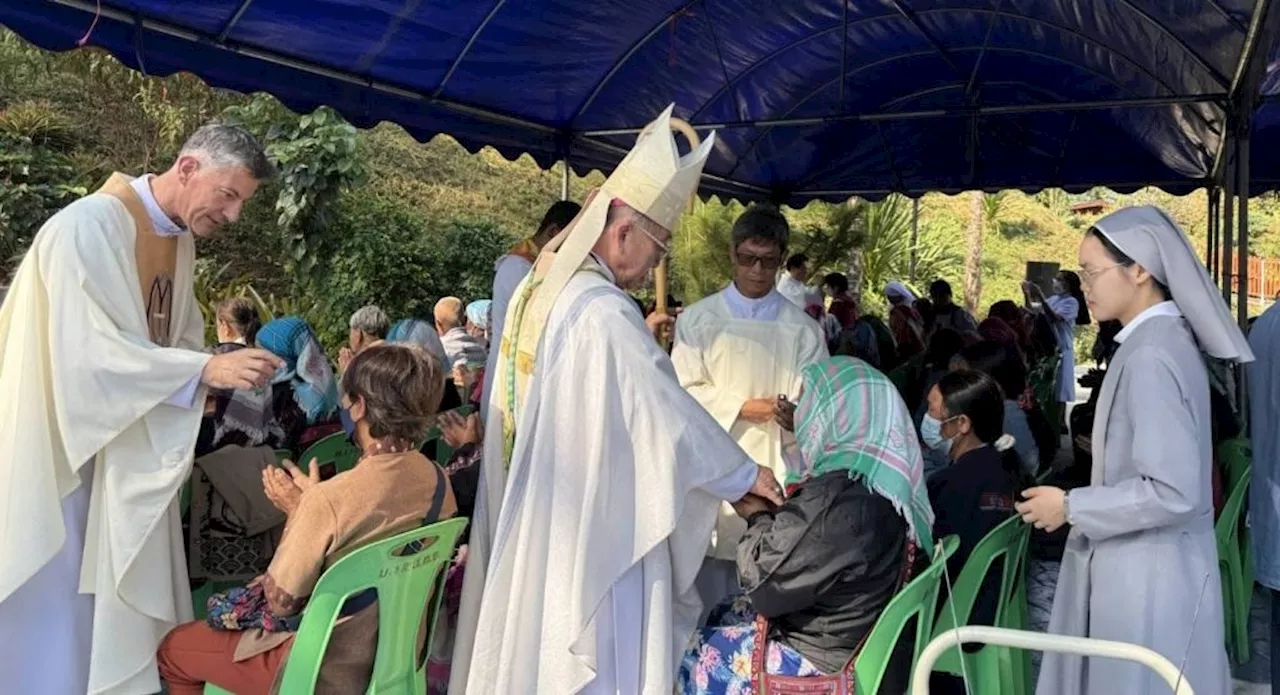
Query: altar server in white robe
(585,582)
(736,352)
(104,380)
(1141,562)
(509,270)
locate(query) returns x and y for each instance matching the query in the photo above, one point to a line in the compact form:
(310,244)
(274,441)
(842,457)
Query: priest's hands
(242,369)
(758,410)
(751,504)
(660,325)
(284,486)
(1045,506)
(766,487)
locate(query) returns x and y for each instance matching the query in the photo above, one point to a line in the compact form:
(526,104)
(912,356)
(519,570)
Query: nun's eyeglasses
(1088,276)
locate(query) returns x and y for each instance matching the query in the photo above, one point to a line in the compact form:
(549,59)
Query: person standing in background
(736,352)
(509,270)
(792,283)
(1264,488)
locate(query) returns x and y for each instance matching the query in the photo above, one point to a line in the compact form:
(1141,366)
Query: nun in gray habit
(1141,561)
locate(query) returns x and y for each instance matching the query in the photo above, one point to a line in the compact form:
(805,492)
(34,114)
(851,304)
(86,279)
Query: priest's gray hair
(224,145)
(762,222)
(371,320)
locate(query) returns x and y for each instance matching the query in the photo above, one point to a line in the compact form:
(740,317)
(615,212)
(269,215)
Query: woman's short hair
(371,320)
(977,396)
(242,315)
(401,386)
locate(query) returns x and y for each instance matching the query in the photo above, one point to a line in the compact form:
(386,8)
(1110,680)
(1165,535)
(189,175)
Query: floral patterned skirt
(718,661)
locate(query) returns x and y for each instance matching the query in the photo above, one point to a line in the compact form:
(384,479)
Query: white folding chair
(1022,639)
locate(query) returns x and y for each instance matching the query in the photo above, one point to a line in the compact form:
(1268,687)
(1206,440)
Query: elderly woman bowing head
(822,567)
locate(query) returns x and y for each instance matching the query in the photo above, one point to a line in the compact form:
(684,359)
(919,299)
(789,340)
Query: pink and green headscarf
(850,418)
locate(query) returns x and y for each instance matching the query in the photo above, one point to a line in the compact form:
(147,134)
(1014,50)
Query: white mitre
(653,179)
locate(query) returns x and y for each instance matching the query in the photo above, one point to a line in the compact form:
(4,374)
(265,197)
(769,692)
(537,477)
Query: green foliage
(886,248)
(700,263)
(36,177)
(316,157)
(380,251)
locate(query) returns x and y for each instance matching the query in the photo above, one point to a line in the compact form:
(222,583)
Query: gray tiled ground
(1254,677)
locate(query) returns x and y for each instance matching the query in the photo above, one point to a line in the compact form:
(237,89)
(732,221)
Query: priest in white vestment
(737,352)
(509,270)
(103,376)
(613,474)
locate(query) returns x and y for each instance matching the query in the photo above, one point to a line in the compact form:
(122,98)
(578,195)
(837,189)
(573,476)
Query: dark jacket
(970,497)
(823,566)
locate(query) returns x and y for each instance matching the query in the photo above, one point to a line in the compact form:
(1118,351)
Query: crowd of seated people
(390,394)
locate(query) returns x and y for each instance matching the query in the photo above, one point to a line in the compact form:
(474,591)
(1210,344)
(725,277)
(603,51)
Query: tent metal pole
(1242,272)
(1228,219)
(1211,233)
(1008,110)
(564,179)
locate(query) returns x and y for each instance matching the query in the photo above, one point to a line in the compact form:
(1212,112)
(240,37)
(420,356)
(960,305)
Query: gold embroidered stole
(157,259)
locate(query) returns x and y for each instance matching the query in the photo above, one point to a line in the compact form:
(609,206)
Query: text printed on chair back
(406,571)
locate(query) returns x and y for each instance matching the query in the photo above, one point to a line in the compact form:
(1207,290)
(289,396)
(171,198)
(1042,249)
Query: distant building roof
(1090,207)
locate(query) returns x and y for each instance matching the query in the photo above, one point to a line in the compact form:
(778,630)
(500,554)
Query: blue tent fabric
(813,98)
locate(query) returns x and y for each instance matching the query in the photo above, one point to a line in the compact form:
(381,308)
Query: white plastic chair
(1022,639)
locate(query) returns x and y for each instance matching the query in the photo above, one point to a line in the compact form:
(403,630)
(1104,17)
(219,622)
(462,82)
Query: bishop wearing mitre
(103,374)
(601,476)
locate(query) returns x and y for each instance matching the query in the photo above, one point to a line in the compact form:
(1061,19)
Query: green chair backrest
(1227,528)
(918,599)
(406,570)
(335,449)
(1234,455)
(1009,540)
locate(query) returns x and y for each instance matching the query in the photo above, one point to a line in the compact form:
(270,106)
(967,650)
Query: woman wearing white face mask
(1141,564)
(975,493)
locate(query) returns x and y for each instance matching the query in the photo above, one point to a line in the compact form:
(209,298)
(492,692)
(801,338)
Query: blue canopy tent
(813,99)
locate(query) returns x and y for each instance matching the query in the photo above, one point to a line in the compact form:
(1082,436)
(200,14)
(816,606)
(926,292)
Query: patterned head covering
(478,313)
(420,333)
(850,418)
(306,366)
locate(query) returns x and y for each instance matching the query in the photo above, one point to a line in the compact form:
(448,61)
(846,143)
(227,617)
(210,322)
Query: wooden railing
(1264,276)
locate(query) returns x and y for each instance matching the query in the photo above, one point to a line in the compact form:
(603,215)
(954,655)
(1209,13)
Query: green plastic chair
(915,600)
(335,450)
(991,670)
(1234,456)
(1235,568)
(407,571)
